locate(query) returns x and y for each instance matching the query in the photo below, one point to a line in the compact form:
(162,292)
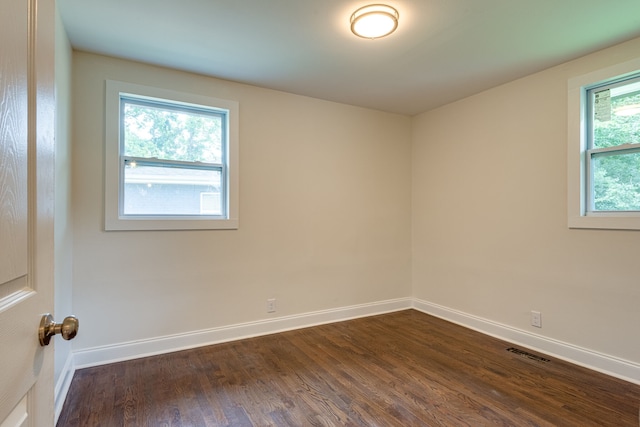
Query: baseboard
(623,369)
(62,385)
(165,344)
(619,368)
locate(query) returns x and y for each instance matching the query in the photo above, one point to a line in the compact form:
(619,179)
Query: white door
(26,209)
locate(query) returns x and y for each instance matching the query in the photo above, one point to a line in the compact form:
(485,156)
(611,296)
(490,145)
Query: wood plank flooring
(399,369)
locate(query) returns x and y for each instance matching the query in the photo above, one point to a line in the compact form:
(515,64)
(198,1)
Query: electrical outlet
(536,319)
(271,305)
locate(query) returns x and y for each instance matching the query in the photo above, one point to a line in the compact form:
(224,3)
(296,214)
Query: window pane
(172,134)
(616,182)
(160,190)
(616,115)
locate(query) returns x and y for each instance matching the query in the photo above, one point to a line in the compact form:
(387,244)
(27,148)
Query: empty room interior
(449,173)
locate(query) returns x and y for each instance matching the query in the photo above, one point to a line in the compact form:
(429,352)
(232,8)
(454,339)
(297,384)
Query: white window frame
(114,220)
(578,166)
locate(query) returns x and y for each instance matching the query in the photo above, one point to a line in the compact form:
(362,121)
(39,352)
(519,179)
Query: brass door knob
(48,328)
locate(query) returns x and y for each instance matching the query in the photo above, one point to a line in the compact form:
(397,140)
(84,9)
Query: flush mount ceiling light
(374,21)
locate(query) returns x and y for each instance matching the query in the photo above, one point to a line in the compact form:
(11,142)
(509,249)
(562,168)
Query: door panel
(13,153)
(19,417)
(26,208)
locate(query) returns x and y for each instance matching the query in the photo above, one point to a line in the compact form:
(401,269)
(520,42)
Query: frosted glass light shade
(374,21)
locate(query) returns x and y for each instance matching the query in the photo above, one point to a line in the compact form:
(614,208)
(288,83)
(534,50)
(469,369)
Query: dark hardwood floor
(399,369)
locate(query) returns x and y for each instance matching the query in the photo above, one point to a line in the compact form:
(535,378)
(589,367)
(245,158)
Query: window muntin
(612,155)
(190,181)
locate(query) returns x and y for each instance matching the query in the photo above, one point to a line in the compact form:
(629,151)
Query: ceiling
(443,50)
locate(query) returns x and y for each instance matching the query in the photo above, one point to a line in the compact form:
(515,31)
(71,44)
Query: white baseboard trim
(84,358)
(95,356)
(619,368)
(62,385)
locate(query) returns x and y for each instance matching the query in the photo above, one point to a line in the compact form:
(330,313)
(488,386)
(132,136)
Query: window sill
(606,221)
(145,224)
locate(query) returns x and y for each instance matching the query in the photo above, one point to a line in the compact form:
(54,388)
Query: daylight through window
(171,156)
(171,160)
(613,146)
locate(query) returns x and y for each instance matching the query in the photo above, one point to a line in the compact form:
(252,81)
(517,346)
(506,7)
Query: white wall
(63,259)
(324,216)
(490,235)
(342,206)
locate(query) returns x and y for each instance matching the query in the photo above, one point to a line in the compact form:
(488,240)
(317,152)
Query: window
(604,148)
(613,146)
(170,160)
